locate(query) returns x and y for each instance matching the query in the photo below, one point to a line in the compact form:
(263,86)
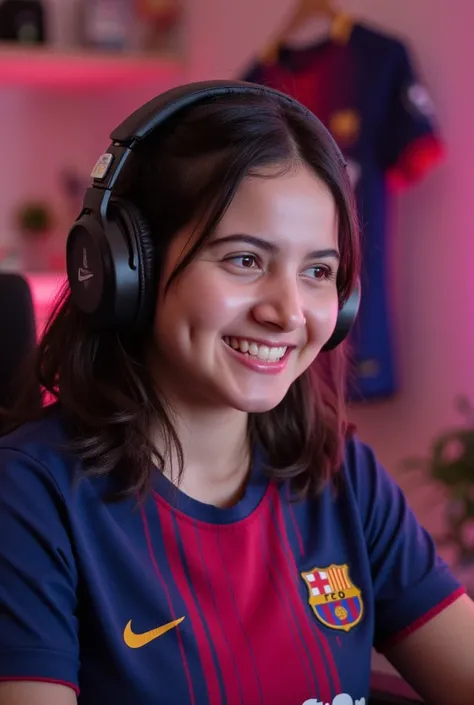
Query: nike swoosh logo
(136,641)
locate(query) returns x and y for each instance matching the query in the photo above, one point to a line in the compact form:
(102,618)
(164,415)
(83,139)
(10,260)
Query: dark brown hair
(190,173)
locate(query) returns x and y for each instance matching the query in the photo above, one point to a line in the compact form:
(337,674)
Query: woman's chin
(257,405)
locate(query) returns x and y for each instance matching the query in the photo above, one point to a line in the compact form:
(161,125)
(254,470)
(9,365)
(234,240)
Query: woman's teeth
(249,347)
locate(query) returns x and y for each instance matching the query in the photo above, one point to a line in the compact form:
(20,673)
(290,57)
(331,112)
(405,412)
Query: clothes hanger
(304,11)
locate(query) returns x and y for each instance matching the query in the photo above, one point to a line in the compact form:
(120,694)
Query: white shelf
(46,67)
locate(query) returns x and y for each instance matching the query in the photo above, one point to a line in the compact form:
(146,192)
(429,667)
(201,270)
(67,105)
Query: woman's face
(252,311)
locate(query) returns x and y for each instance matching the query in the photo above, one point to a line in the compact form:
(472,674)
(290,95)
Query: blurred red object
(161,13)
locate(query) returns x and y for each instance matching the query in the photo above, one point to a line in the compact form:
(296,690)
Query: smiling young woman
(192,520)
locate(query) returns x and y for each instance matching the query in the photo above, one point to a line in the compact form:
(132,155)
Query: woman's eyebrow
(270,246)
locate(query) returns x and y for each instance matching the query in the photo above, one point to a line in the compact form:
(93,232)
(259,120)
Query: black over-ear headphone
(110,251)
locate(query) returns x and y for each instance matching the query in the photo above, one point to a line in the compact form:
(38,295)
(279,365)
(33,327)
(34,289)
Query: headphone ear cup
(142,245)
(345,320)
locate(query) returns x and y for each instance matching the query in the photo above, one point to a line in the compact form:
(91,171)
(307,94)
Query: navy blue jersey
(169,601)
(366,92)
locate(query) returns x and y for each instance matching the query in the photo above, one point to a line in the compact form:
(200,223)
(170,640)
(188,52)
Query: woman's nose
(280,306)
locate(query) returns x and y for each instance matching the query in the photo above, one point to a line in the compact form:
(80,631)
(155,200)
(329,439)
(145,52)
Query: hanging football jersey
(366,91)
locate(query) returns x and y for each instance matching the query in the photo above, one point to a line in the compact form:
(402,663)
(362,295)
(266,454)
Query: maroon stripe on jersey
(258,602)
(192,696)
(273,559)
(262,632)
(224,610)
(296,528)
(310,627)
(172,548)
(237,551)
(199,542)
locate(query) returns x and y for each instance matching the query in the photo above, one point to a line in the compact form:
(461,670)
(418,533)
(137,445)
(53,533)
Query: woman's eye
(244,261)
(320,272)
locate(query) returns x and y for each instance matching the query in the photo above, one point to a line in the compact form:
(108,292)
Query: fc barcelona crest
(333,597)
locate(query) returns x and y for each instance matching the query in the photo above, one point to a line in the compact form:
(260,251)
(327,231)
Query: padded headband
(158,111)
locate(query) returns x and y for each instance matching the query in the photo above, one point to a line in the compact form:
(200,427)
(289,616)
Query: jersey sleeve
(38,578)
(411,142)
(411,583)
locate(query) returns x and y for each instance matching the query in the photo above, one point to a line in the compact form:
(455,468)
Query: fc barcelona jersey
(169,601)
(366,92)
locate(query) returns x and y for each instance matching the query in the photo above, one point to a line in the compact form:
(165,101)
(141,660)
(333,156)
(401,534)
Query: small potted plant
(34,223)
(450,463)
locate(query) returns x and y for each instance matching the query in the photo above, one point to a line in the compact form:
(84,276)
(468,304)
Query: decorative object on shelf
(35,223)
(157,26)
(160,13)
(451,463)
(35,218)
(107,24)
(22,21)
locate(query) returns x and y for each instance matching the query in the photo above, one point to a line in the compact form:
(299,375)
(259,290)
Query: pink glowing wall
(44,288)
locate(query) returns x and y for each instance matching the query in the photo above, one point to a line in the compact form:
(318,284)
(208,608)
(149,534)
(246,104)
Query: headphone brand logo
(83,273)
(102,166)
